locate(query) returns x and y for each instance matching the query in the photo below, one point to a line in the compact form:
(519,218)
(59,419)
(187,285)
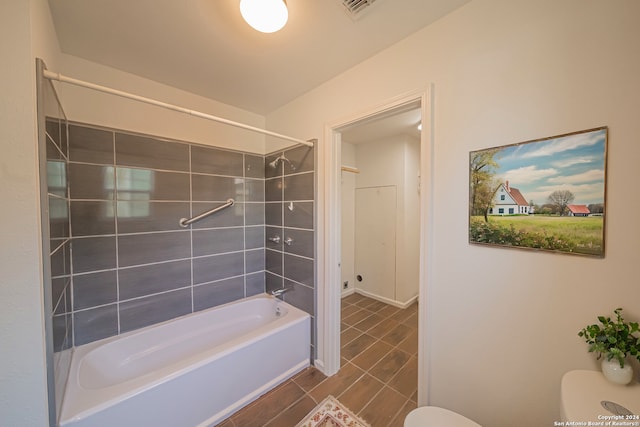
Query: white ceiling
(204,46)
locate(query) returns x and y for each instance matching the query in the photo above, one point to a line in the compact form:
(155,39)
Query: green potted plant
(615,340)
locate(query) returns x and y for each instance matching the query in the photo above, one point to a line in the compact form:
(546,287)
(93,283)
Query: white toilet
(433,416)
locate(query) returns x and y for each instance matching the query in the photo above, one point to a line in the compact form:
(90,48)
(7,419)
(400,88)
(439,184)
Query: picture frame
(547,194)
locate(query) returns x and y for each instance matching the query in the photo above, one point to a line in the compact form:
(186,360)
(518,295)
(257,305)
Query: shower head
(282,158)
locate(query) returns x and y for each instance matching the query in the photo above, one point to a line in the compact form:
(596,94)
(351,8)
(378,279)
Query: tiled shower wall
(129,264)
(132,264)
(290,225)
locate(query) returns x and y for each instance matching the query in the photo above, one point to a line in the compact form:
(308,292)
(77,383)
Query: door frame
(329,233)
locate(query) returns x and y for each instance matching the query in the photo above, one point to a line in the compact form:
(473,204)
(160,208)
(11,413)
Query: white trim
(64,79)
(389,301)
(329,204)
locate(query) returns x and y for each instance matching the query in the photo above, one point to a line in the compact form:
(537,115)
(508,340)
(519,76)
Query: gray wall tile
(136,249)
(90,290)
(254,190)
(217,188)
(299,187)
(146,184)
(228,217)
(254,283)
(299,296)
(302,158)
(91,181)
(92,218)
(254,214)
(95,324)
(273,213)
(217,267)
(221,240)
(90,145)
(273,282)
(253,166)
(217,293)
(301,216)
(140,151)
(93,253)
(141,312)
(273,190)
(254,237)
(150,279)
(302,242)
(299,269)
(273,232)
(254,260)
(143,216)
(215,161)
(269,171)
(273,261)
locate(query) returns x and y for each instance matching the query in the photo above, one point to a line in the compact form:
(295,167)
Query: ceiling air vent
(355,8)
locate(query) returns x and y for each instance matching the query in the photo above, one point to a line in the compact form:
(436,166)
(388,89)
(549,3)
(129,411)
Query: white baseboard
(399,304)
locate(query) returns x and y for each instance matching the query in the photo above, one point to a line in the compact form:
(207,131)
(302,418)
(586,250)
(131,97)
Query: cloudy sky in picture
(572,162)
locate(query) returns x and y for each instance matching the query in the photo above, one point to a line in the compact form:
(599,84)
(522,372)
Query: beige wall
(506,71)
(25,32)
(93,107)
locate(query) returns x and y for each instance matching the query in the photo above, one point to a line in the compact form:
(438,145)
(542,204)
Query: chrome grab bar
(184,222)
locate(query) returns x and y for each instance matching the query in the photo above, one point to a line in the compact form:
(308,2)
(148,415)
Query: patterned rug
(331,413)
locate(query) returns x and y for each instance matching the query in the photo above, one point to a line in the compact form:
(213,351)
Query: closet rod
(59,77)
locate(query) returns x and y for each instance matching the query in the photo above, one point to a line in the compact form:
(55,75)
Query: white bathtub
(192,371)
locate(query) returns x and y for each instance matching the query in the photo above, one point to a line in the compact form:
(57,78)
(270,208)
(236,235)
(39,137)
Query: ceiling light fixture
(267,16)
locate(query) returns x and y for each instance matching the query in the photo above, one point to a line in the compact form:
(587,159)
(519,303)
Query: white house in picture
(509,201)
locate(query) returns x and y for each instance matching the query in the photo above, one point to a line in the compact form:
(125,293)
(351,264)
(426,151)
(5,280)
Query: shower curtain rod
(59,77)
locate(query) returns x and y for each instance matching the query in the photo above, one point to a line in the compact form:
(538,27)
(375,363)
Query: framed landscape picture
(548,194)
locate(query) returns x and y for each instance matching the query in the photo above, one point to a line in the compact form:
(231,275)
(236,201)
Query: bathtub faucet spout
(279,292)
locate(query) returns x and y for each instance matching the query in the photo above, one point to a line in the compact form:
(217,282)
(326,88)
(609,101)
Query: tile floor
(377,379)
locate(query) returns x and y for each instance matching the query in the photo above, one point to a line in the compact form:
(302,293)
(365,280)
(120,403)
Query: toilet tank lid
(419,417)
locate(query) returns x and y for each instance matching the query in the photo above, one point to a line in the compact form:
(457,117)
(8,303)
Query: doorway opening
(331,259)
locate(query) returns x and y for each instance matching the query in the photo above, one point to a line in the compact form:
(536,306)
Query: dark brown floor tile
(356,317)
(268,406)
(335,385)
(309,378)
(398,421)
(403,315)
(360,393)
(406,380)
(376,306)
(414,397)
(410,344)
(348,310)
(349,335)
(372,355)
(382,328)
(388,310)
(412,321)
(294,414)
(368,322)
(389,365)
(383,408)
(357,346)
(365,302)
(353,298)
(397,334)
